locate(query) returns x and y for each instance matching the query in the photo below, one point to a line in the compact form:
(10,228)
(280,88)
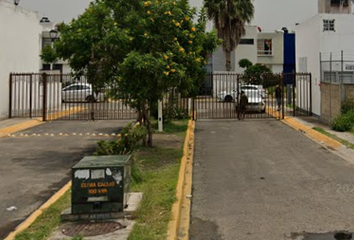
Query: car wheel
(228,98)
(90,99)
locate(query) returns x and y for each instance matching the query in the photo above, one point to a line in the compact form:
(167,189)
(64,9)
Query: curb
(25,224)
(183,186)
(312,134)
(20,126)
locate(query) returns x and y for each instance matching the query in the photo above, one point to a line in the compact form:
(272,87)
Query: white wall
(307,56)
(242,51)
(247,51)
(311,40)
(19,46)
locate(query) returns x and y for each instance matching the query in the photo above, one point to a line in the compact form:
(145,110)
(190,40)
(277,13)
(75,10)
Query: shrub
(347,106)
(126,142)
(344,122)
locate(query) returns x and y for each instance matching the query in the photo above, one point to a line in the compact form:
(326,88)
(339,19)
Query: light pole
(16,2)
(53,34)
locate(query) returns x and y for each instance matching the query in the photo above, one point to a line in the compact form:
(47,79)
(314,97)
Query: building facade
(20,46)
(330,31)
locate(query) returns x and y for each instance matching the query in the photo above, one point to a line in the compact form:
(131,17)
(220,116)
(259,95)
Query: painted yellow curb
(313,134)
(309,132)
(24,225)
(64,113)
(173,226)
(20,126)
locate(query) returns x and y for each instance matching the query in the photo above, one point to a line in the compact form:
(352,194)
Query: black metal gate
(219,98)
(62,97)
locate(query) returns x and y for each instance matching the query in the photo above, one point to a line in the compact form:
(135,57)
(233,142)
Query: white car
(255,104)
(250,91)
(80,92)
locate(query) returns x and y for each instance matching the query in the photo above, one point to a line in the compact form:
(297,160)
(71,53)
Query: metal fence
(63,97)
(337,68)
(219,96)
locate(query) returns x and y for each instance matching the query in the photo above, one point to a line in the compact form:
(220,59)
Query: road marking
(179,221)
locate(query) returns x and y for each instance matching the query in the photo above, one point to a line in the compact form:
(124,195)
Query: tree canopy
(230,17)
(147,47)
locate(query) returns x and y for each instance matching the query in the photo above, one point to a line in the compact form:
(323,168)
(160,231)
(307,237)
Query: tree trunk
(149,127)
(228,60)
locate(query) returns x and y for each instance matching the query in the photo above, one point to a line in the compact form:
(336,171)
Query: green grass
(178,126)
(160,176)
(46,222)
(158,169)
(342,141)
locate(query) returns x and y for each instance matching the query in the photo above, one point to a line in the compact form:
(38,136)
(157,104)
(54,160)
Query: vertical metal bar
(30,97)
(294,92)
(44,110)
(310,75)
(282,95)
(10,96)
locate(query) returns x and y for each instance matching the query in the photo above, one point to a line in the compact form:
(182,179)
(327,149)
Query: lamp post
(53,34)
(16,2)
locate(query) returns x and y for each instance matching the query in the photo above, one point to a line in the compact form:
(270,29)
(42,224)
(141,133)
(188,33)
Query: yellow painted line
(309,132)
(64,113)
(183,228)
(20,126)
(317,136)
(173,225)
(24,225)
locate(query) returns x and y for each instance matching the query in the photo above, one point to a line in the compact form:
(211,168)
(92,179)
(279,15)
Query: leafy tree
(230,17)
(147,47)
(245,63)
(255,73)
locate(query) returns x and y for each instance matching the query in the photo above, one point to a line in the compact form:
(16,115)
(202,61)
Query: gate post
(30,96)
(44,100)
(282,95)
(294,97)
(310,94)
(10,96)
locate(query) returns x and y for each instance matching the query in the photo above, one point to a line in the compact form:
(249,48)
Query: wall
(19,46)
(331,99)
(242,51)
(311,40)
(307,56)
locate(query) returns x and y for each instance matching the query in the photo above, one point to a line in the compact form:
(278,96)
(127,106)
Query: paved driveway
(34,167)
(261,180)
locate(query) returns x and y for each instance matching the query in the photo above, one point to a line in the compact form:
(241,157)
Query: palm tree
(229,17)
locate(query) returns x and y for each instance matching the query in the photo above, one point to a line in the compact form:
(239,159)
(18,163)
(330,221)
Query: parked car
(250,91)
(255,104)
(80,92)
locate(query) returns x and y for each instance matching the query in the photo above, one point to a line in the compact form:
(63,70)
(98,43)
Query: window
(338,2)
(264,46)
(328,25)
(46,41)
(247,41)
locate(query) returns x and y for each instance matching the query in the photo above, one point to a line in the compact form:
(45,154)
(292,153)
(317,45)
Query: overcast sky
(269,14)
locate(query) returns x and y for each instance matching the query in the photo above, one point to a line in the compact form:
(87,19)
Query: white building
(20,46)
(258,47)
(330,31)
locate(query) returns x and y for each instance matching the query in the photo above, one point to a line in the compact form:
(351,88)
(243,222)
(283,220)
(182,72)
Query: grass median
(156,173)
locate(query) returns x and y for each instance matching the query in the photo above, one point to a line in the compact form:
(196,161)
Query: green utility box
(100,184)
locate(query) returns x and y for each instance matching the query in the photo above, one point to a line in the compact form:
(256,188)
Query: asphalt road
(34,167)
(262,180)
